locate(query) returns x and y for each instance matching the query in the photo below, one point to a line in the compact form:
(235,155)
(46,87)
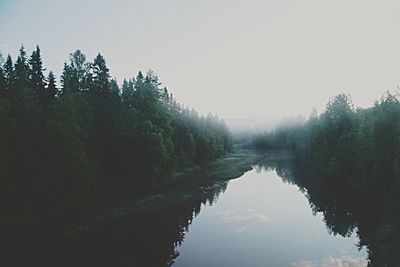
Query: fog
(239,59)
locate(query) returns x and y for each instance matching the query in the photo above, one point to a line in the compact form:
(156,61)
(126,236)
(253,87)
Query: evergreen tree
(76,75)
(2,78)
(101,77)
(127,92)
(67,169)
(36,75)
(92,137)
(22,71)
(114,88)
(105,101)
(139,77)
(9,76)
(51,89)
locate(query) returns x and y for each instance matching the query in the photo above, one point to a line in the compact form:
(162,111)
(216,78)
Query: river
(261,220)
(266,217)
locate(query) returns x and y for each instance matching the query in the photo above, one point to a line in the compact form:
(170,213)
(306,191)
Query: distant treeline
(63,146)
(278,138)
(360,144)
(356,148)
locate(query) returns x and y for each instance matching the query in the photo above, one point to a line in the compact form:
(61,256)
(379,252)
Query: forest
(356,151)
(67,145)
(71,147)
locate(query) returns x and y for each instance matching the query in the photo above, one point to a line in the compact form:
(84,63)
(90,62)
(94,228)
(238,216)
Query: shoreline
(187,185)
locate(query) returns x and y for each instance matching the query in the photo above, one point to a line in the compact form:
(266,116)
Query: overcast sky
(234,58)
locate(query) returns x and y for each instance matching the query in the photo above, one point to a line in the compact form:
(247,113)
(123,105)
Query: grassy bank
(191,184)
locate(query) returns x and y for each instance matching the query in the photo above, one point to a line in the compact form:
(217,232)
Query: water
(267,217)
(262,221)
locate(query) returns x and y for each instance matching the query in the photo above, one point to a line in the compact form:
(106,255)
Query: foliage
(62,148)
(357,149)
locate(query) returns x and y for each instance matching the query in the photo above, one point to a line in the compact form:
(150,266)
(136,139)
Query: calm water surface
(260,220)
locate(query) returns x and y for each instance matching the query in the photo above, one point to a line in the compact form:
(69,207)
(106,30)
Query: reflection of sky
(245,216)
(344,261)
(261,221)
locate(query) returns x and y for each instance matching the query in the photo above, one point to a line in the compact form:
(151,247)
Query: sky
(238,59)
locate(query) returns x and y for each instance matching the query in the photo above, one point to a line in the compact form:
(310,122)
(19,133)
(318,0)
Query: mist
(260,58)
(200,133)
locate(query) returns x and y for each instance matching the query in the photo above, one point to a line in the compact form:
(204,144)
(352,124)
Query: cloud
(245,216)
(344,261)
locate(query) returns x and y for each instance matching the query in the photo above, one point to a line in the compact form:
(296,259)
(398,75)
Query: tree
(339,108)
(114,88)
(101,77)
(69,176)
(76,75)
(22,71)
(51,89)
(9,75)
(36,75)
(2,78)
(128,92)
(60,147)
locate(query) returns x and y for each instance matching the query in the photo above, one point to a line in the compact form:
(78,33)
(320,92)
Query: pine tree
(2,78)
(127,92)
(8,70)
(76,75)
(22,70)
(101,76)
(114,88)
(139,77)
(67,165)
(90,130)
(36,75)
(51,89)
(9,76)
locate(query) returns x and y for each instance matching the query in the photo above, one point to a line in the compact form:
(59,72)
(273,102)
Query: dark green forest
(72,146)
(356,151)
(66,145)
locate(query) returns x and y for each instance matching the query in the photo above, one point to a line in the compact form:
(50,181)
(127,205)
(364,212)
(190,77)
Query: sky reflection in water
(262,221)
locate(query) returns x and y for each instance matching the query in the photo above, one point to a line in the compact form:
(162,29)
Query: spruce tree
(8,72)
(36,75)
(101,76)
(2,79)
(51,89)
(22,70)
(127,92)
(76,75)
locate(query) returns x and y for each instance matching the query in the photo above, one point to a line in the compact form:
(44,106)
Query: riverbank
(191,184)
(128,214)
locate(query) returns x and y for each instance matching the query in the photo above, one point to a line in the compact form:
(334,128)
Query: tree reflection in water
(344,209)
(151,236)
(147,237)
